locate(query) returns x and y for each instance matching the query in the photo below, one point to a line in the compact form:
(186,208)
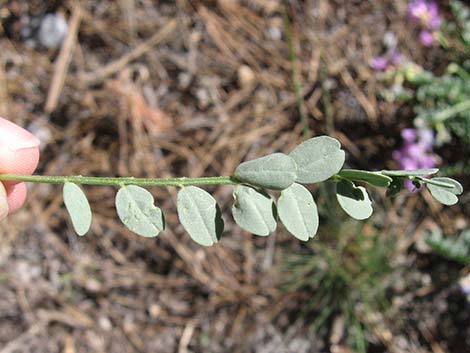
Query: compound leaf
(318,159)
(136,210)
(276,171)
(372,178)
(445,195)
(353,200)
(78,208)
(407,173)
(253,211)
(298,212)
(200,215)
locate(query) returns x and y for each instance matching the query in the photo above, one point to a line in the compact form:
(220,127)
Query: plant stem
(179,182)
(78,179)
(326,99)
(451,111)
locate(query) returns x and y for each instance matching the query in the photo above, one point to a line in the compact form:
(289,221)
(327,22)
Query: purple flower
(409,135)
(425,13)
(396,58)
(416,10)
(379,63)
(426,38)
(416,152)
(382,63)
(392,56)
(426,138)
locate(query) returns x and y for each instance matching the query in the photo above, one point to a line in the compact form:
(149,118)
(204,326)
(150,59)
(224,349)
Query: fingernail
(3,202)
(14,137)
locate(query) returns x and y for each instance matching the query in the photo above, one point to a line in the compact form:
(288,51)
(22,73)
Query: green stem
(78,179)
(179,182)
(326,101)
(451,111)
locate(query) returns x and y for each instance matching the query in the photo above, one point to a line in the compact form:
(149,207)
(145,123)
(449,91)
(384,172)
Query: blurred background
(194,87)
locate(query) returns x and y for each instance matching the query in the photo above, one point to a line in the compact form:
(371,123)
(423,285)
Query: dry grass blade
(63,61)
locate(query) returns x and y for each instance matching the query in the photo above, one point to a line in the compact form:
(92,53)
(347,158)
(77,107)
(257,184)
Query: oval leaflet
(353,200)
(276,171)
(407,173)
(253,211)
(372,178)
(78,208)
(445,195)
(200,215)
(136,210)
(298,212)
(318,159)
(457,188)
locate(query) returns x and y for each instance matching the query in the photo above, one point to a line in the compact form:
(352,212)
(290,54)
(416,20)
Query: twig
(186,337)
(63,61)
(360,96)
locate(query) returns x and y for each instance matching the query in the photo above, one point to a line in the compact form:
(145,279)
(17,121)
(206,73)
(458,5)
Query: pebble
(52,30)
(105,323)
(246,76)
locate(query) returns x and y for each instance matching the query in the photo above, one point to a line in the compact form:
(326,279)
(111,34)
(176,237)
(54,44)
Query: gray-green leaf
(318,159)
(253,211)
(78,208)
(372,178)
(200,215)
(406,173)
(445,195)
(298,212)
(353,200)
(276,171)
(136,210)
(457,188)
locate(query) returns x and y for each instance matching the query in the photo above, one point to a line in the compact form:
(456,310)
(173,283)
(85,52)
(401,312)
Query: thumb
(3,202)
(19,154)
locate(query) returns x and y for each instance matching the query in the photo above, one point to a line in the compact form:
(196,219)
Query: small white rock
(52,30)
(275,33)
(246,76)
(105,323)
(390,40)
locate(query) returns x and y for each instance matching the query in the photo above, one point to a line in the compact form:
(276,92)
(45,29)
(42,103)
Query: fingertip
(3,202)
(15,137)
(19,149)
(19,154)
(16,196)
(22,161)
